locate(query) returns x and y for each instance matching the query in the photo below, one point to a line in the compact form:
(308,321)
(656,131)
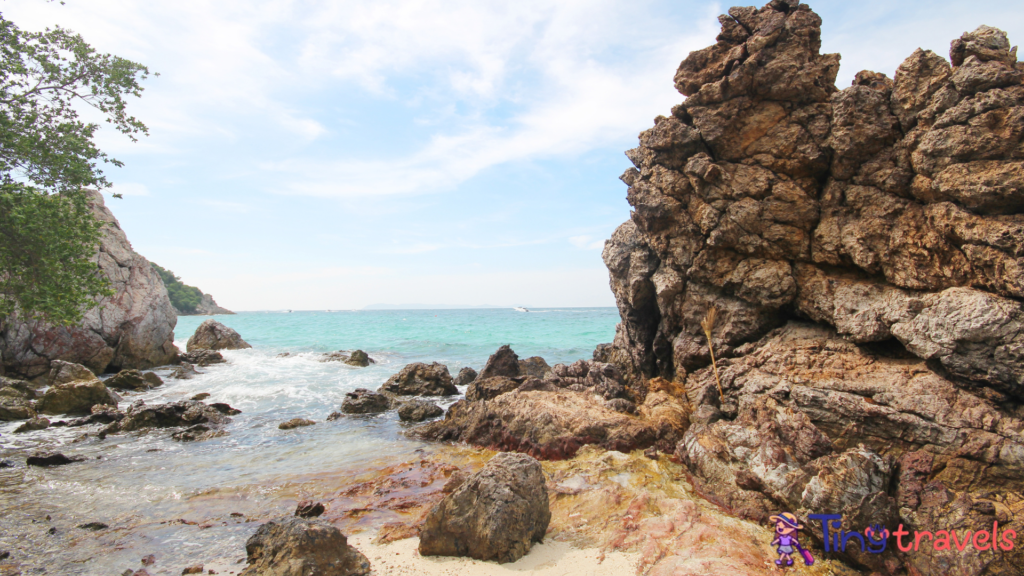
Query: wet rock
(184,371)
(357,358)
(202,357)
(130,380)
(418,411)
(309,509)
(489,388)
(291,546)
(605,380)
(464,377)
(188,413)
(152,379)
(14,388)
(94,526)
(225,408)
(201,396)
(504,362)
(334,416)
(197,569)
(420,379)
(51,459)
(534,367)
(74,390)
(16,409)
(197,433)
(496,514)
(33,425)
(555,425)
(6,464)
(101,414)
(295,423)
(132,328)
(363,401)
(212,335)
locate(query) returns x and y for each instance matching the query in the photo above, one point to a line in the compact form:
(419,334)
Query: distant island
(427,306)
(187,300)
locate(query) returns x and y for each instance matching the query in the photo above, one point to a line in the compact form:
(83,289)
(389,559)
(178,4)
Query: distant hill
(187,300)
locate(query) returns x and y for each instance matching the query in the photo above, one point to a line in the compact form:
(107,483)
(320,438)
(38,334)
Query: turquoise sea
(143,483)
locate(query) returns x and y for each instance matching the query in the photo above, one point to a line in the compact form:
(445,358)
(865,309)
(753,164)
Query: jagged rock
(197,433)
(489,388)
(16,409)
(504,362)
(293,546)
(418,411)
(184,371)
(295,423)
(152,379)
(225,408)
(133,328)
(555,424)
(309,509)
(589,376)
(212,335)
(495,514)
(202,357)
(32,425)
(357,358)
(74,390)
(363,401)
(464,377)
(421,379)
(140,416)
(534,367)
(101,414)
(52,459)
(129,380)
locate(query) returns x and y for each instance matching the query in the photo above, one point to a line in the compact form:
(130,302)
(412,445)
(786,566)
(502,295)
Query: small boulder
(14,388)
(534,366)
(201,396)
(418,411)
(74,390)
(15,409)
(504,362)
(334,416)
(496,514)
(309,509)
(419,379)
(128,380)
(197,433)
(6,464)
(295,423)
(225,408)
(489,388)
(32,425)
(465,376)
(184,371)
(294,546)
(363,401)
(51,459)
(202,357)
(94,526)
(360,358)
(190,413)
(152,379)
(196,569)
(212,335)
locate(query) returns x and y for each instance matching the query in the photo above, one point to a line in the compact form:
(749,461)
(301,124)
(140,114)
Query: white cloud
(587,242)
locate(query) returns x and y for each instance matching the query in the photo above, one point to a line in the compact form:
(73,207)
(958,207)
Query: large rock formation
(134,328)
(891,214)
(212,335)
(419,379)
(207,307)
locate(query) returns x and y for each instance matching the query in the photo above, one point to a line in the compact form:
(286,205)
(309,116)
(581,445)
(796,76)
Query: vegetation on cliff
(48,234)
(184,298)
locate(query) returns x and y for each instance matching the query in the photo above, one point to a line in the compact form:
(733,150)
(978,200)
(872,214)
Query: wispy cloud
(587,242)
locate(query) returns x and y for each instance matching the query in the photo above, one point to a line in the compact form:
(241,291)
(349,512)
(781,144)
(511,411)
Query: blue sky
(313,155)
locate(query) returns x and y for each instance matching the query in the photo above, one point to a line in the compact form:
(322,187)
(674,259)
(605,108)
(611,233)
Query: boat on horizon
(520,309)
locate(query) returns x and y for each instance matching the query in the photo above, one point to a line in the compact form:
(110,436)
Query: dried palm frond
(708,324)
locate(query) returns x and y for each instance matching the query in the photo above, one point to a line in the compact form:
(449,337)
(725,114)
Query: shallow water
(175,499)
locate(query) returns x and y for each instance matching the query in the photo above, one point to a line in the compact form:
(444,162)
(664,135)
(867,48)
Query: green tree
(47,157)
(183,297)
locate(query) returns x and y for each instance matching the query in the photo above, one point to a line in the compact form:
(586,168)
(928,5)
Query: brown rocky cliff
(890,215)
(134,328)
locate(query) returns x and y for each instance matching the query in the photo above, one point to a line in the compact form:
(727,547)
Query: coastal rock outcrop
(418,411)
(504,362)
(212,335)
(891,214)
(140,416)
(133,328)
(74,390)
(464,377)
(202,357)
(294,546)
(419,379)
(495,514)
(363,401)
(133,380)
(356,358)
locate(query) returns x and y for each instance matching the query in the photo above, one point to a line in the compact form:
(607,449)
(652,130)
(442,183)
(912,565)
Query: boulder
(534,367)
(295,423)
(152,379)
(464,377)
(201,396)
(184,371)
(309,509)
(599,378)
(74,390)
(418,411)
(52,459)
(202,357)
(363,401)
(489,388)
(420,379)
(495,514)
(298,546)
(129,380)
(504,362)
(212,335)
(33,425)
(132,328)
(554,425)
(14,388)
(16,409)
(101,414)
(197,433)
(141,416)
(357,358)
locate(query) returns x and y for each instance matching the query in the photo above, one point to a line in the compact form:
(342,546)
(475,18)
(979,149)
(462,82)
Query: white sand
(548,559)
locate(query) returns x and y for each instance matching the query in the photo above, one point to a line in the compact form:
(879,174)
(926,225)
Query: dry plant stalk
(708,324)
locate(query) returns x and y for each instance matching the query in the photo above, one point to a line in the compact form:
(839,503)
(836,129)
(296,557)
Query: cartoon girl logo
(786,529)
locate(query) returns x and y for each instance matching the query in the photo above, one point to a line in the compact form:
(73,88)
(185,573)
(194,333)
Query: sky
(337,154)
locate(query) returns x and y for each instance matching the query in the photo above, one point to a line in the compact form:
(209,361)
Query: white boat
(520,309)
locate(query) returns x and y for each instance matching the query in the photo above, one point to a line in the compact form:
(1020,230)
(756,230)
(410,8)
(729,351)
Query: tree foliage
(47,157)
(183,297)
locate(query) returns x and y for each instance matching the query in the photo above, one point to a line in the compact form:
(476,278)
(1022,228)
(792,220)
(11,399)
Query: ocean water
(140,483)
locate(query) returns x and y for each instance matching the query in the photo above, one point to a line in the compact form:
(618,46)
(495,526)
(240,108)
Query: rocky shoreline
(820,294)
